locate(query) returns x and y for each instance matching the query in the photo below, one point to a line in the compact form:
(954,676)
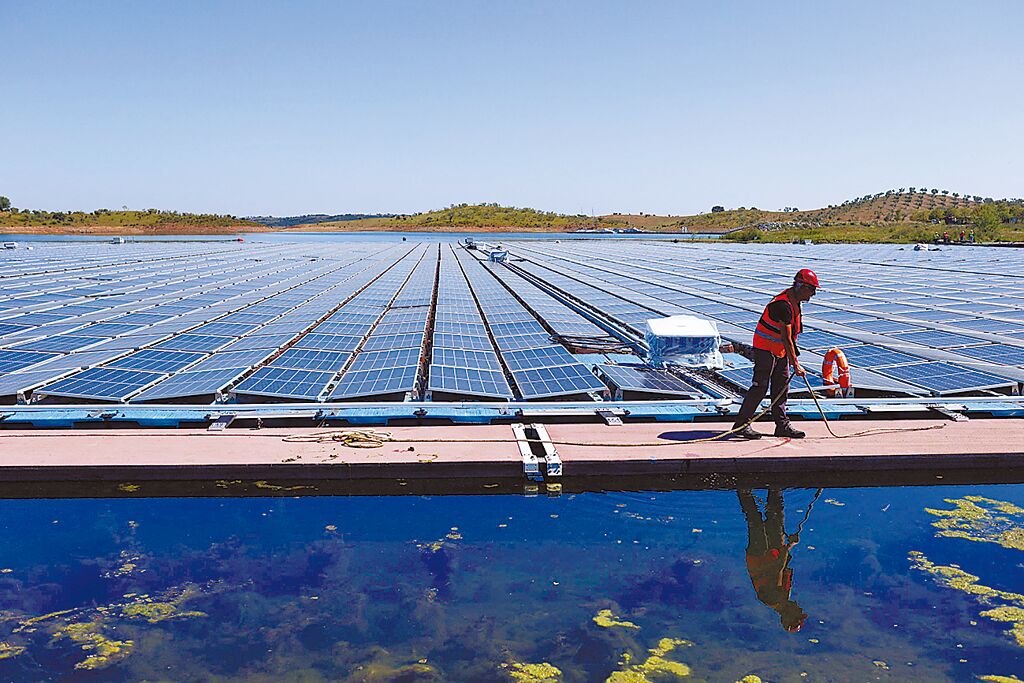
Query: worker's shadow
(690,435)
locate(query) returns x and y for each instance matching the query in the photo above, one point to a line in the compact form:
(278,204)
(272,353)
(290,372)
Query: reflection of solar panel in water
(464,358)
(647,380)
(869,356)
(470,381)
(556,381)
(378,360)
(285,383)
(1002,354)
(156,360)
(193,383)
(310,359)
(545,356)
(101,383)
(939,339)
(376,382)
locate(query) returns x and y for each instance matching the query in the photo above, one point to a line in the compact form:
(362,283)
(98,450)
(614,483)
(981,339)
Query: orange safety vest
(768,333)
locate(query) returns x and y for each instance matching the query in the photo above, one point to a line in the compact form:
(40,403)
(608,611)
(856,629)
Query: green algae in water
(571,589)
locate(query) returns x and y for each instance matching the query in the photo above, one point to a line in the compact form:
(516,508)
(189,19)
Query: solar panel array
(321,321)
(895,312)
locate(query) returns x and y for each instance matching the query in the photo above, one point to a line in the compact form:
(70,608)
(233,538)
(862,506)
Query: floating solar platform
(383,321)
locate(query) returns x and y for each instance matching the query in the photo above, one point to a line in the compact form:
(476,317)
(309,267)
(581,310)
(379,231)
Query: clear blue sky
(665,107)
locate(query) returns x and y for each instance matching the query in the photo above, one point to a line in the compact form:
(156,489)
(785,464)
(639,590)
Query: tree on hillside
(5,204)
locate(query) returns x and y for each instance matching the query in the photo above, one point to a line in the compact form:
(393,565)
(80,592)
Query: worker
(775,351)
(768,555)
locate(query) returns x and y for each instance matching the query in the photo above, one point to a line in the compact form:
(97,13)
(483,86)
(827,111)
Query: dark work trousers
(768,370)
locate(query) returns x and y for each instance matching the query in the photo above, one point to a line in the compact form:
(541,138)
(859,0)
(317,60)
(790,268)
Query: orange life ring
(835,357)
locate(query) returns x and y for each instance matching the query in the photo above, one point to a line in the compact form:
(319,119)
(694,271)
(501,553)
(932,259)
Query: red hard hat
(806,276)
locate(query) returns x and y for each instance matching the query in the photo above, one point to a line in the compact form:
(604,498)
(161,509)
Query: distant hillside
(313,219)
(107,222)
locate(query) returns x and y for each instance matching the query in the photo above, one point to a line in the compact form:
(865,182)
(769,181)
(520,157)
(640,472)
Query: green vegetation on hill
(106,220)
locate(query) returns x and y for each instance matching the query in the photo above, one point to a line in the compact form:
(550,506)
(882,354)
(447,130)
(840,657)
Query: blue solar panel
(344,316)
(101,383)
(285,383)
(225,329)
(378,360)
(989,325)
(353,329)
(310,359)
(462,341)
(648,380)
(543,357)
(60,343)
(8,329)
(262,341)
(106,330)
(469,381)
(194,342)
(155,360)
(556,381)
(463,358)
(227,358)
(185,384)
(885,326)
(939,339)
(12,361)
(523,341)
(816,339)
(376,382)
(451,327)
(517,328)
(393,341)
(1001,354)
(943,377)
(416,327)
(328,342)
(868,356)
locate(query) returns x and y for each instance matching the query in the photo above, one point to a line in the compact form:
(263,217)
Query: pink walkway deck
(446,452)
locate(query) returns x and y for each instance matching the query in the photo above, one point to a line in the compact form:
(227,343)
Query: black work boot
(747,433)
(788,432)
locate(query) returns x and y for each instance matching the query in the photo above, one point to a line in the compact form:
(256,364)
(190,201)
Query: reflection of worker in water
(768,556)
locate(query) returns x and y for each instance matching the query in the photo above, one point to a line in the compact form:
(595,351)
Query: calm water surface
(900,584)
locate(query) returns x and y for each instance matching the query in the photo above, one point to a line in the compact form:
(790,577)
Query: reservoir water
(889,583)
